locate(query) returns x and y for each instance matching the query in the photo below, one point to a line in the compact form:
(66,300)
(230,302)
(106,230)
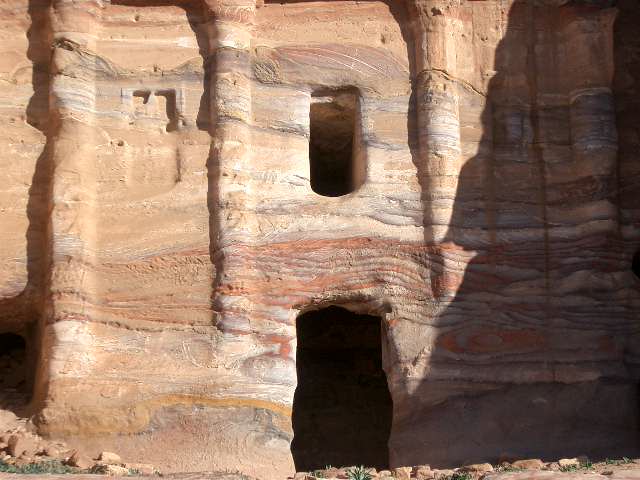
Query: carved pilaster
(594,137)
(72,225)
(230,182)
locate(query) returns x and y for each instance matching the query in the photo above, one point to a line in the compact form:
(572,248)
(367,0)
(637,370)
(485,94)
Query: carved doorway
(15,372)
(342,408)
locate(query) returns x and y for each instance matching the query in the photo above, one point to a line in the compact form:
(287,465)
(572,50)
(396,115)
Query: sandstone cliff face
(162,228)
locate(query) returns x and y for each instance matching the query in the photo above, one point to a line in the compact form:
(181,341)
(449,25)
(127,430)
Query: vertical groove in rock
(38,207)
(536,142)
(536,149)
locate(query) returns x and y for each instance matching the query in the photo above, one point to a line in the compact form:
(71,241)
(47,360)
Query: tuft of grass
(6,468)
(460,476)
(54,467)
(507,468)
(587,465)
(359,473)
(97,469)
(623,461)
(569,468)
(319,473)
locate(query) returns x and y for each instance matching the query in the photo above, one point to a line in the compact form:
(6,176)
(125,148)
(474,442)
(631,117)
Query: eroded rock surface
(171,201)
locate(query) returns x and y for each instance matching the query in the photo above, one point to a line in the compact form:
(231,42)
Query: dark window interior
(334,165)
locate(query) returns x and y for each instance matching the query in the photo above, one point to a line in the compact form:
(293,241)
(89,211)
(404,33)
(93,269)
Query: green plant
(359,473)
(568,468)
(97,469)
(54,467)
(626,460)
(608,461)
(507,468)
(587,465)
(6,468)
(319,474)
(134,472)
(461,476)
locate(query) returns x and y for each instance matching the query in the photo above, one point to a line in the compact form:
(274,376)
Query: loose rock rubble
(22,451)
(623,468)
(531,464)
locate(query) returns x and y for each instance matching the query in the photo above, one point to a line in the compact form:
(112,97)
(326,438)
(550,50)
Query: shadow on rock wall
(527,355)
(20,314)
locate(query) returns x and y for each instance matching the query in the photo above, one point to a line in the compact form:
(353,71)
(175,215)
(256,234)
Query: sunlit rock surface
(159,233)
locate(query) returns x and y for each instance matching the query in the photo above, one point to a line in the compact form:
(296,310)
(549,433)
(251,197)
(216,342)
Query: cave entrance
(342,408)
(14,369)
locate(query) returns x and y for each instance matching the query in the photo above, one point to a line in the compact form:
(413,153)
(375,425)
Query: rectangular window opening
(336,159)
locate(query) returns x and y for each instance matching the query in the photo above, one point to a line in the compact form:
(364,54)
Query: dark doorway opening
(635,265)
(337,165)
(342,408)
(14,381)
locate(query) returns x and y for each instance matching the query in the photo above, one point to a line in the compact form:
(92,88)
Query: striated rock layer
(161,231)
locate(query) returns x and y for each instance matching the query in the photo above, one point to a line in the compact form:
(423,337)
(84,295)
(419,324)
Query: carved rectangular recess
(155,103)
(337,161)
